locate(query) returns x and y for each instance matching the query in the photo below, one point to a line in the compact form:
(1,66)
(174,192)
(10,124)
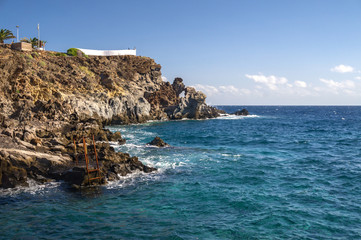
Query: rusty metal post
(96,157)
(95,151)
(86,159)
(75,153)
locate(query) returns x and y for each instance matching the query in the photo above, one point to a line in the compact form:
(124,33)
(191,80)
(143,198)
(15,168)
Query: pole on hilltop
(38,36)
(17,33)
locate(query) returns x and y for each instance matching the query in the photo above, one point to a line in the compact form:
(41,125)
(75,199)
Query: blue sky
(264,52)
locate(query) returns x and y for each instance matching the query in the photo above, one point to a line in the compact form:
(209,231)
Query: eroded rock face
(47,102)
(166,103)
(178,86)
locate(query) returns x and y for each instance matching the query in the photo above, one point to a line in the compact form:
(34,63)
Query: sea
(283,172)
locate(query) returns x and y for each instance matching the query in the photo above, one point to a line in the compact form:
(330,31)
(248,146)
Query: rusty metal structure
(89,170)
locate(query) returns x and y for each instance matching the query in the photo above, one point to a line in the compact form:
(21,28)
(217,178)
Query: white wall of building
(91,52)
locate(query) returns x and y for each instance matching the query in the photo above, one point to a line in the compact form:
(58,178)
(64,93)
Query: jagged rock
(192,105)
(47,103)
(178,86)
(157,141)
(242,112)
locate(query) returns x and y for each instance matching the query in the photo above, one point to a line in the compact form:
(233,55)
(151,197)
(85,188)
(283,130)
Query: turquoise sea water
(281,173)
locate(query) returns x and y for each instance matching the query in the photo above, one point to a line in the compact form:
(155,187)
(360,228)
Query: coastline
(49,103)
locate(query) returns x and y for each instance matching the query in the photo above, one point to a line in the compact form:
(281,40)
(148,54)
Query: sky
(238,52)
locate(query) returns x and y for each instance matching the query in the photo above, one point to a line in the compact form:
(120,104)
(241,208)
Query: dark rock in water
(157,141)
(11,176)
(117,137)
(242,112)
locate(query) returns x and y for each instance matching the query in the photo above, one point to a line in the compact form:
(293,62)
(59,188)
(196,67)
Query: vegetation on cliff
(47,102)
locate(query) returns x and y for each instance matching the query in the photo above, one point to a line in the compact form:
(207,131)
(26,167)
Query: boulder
(11,176)
(242,112)
(157,141)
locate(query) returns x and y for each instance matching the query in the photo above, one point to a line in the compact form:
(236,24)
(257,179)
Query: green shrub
(87,71)
(74,52)
(60,54)
(41,63)
(28,56)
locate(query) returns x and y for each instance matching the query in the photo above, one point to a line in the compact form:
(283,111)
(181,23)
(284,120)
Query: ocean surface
(280,173)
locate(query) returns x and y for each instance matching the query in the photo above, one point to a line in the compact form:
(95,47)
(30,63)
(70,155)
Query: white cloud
(207,89)
(342,69)
(210,90)
(300,84)
(164,79)
(348,84)
(358,78)
(229,89)
(272,82)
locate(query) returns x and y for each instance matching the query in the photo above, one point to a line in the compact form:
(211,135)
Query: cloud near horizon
(210,90)
(272,82)
(300,84)
(267,87)
(342,69)
(335,87)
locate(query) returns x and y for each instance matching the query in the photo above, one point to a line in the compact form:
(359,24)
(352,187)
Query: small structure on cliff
(91,52)
(22,46)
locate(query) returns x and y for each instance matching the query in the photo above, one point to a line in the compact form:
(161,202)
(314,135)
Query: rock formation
(242,112)
(48,101)
(157,141)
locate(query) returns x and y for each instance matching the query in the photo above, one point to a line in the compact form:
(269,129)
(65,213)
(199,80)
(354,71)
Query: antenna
(38,36)
(17,33)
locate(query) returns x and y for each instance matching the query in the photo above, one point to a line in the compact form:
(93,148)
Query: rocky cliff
(49,102)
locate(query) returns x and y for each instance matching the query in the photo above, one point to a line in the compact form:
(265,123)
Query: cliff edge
(48,103)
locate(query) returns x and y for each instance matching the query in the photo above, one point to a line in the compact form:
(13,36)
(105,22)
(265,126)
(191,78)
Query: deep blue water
(281,173)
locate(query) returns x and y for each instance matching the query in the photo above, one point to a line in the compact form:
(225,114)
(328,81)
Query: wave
(34,188)
(163,167)
(233,117)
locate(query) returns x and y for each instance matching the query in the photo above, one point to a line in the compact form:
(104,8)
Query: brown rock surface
(157,141)
(48,101)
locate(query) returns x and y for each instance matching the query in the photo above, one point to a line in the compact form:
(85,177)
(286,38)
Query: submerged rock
(242,112)
(157,141)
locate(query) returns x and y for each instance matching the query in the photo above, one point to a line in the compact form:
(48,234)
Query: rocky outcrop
(167,104)
(158,142)
(178,86)
(48,102)
(242,112)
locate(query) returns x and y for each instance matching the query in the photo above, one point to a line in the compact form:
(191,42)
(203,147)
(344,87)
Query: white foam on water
(231,155)
(161,163)
(34,188)
(132,179)
(233,117)
(128,145)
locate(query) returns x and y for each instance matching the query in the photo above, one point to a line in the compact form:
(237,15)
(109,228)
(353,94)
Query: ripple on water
(286,173)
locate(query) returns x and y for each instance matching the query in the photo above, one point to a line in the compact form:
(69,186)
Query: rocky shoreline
(49,102)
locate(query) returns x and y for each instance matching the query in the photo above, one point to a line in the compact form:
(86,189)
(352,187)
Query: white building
(91,52)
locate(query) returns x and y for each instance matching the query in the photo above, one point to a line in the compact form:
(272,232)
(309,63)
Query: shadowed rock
(47,102)
(178,86)
(242,112)
(157,141)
